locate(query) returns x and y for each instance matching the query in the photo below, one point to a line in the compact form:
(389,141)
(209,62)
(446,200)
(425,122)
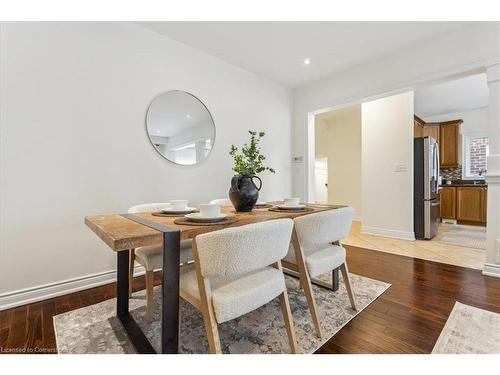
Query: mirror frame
(158,151)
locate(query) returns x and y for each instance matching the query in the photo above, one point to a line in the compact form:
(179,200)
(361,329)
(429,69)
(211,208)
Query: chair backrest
(148,207)
(229,253)
(222,202)
(317,231)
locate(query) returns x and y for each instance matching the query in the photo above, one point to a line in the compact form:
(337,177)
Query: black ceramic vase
(244,193)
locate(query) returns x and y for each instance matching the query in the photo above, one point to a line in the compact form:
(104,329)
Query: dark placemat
(264,205)
(186,221)
(305,209)
(164,214)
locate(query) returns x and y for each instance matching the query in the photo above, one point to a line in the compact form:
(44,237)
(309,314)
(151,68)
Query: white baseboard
(42,292)
(402,235)
(491,269)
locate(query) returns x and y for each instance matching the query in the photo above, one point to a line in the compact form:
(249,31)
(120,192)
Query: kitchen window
(475,154)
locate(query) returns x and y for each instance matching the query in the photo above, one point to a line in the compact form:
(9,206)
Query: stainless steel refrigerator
(426,187)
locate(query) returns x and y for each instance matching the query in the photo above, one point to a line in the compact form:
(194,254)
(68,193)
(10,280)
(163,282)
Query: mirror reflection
(180,127)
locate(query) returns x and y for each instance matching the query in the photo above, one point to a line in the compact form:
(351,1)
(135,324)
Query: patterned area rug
(469,330)
(95,329)
(466,236)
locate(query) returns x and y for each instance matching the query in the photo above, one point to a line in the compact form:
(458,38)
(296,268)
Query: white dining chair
(317,237)
(237,270)
(223,202)
(151,257)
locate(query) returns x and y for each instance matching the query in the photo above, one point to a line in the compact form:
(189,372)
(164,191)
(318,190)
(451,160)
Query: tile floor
(429,250)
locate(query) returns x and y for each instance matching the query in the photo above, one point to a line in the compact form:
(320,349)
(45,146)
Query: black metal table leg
(317,282)
(170,292)
(122,263)
(137,337)
(335,279)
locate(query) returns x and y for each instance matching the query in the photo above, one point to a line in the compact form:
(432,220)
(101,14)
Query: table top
(120,233)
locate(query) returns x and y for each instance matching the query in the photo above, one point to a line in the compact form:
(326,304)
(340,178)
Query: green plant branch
(249,161)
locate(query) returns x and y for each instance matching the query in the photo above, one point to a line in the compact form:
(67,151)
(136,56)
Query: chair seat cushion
(151,257)
(236,298)
(320,261)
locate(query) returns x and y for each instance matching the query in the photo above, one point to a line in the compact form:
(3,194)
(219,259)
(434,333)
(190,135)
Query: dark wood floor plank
(407,318)
(33,338)
(16,337)
(48,334)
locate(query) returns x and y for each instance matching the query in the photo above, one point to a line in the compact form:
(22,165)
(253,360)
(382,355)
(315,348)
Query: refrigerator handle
(436,158)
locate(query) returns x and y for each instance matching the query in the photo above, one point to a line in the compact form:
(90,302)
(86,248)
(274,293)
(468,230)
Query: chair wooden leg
(149,295)
(287,316)
(211,323)
(347,282)
(306,282)
(206,307)
(131,260)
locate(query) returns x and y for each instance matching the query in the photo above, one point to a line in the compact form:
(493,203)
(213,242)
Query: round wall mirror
(180,127)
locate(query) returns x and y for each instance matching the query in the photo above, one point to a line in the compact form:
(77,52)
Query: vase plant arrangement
(248,162)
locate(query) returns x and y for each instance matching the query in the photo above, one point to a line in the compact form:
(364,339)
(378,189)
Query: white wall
(387,138)
(476,121)
(461,50)
(338,138)
(73,141)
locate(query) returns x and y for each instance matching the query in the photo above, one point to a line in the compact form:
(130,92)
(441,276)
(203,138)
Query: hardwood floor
(407,318)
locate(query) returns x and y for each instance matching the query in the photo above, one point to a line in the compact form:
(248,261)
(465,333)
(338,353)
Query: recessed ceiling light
(307,61)
(188,116)
(157,132)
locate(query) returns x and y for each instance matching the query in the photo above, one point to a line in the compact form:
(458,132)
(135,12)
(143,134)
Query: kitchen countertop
(464,185)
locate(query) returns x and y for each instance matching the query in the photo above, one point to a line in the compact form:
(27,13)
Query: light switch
(298,159)
(401,167)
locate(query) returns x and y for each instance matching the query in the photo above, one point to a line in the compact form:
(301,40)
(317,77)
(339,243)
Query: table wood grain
(120,233)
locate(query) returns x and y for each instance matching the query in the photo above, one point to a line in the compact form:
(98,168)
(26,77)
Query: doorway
(321,179)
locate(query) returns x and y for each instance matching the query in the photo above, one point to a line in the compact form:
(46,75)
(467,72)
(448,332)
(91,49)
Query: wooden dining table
(125,232)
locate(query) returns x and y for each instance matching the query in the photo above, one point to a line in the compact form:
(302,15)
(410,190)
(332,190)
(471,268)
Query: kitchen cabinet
(471,204)
(418,127)
(448,202)
(431,130)
(466,204)
(448,143)
(484,203)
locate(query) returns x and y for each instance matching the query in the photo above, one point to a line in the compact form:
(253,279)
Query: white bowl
(170,210)
(197,217)
(178,204)
(209,210)
(293,202)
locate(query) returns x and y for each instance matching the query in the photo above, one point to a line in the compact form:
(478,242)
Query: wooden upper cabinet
(471,204)
(448,202)
(432,130)
(418,126)
(448,143)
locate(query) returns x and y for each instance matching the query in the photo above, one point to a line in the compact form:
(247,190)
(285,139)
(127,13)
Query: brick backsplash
(454,173)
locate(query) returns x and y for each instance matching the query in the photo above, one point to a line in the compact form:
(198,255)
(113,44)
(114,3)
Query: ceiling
(453,96)
(339,114)
(277,50)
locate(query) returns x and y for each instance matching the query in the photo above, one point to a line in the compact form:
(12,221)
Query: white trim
(493,179)
(46,291)
(402,235)
(491,269)
(466,137)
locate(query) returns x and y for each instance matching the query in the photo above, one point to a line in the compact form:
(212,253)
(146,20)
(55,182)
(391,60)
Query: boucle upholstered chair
(237,270)
(318,237)
(222,202)
(151,257)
